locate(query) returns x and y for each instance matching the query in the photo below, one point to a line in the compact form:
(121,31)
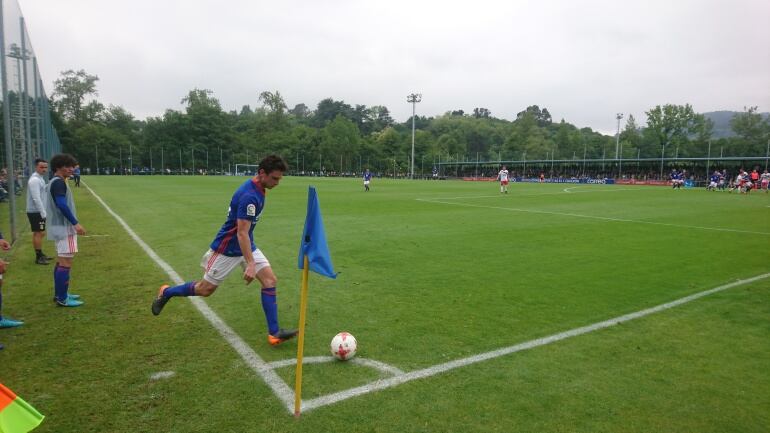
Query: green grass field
(430,272)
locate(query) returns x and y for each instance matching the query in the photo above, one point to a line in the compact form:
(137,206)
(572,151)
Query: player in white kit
(502,176)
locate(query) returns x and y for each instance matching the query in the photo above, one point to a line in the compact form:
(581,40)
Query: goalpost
(246,169)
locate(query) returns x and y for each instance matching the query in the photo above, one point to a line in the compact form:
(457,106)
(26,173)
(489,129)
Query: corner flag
(16,415)
(314,240)
(313,255)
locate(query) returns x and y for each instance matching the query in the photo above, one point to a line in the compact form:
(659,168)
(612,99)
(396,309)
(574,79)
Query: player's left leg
(65,249)
(276,335)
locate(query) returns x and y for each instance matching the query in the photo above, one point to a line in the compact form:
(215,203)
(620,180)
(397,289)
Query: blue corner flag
(314,240)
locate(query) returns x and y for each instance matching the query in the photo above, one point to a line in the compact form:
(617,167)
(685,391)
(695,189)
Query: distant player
(63,227)
(714,183)
(677,179)
(755,178)
(542,177)
(76,175)
(234,245)
(764,180)
(502,176)
(367,179)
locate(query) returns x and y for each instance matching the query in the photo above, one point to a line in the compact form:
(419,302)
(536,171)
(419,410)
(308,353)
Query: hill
(721,121)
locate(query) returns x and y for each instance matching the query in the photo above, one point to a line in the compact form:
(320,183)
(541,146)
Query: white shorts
(366,182)
(67,247)
(216,267)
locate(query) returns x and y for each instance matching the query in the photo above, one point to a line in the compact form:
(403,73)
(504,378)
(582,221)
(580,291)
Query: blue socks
(186,289)
(270,306)
(61,282)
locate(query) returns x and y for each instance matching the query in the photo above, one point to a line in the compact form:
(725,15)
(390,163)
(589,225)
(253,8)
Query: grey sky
(583,60)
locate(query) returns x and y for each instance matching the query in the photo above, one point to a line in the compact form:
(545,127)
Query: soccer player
(367,179)
(76,175)
(63,227)
(36,209)
(5,322)
(714,181)
(502,176)
(755,178)
(234,245)
(676,179)
(765,180)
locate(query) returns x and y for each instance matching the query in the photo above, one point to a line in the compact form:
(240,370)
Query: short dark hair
(63,160)
(272,163)
(39,160)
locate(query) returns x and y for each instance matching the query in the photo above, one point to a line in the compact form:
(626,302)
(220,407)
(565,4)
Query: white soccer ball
(344,346)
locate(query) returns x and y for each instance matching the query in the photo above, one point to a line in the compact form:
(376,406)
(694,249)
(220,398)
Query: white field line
(376,365)
(279,387)
(569,190)
(470,197)
(463,362)
(624,220)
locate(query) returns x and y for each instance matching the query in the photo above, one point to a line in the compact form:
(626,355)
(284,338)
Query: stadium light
(414,98)
(617,136)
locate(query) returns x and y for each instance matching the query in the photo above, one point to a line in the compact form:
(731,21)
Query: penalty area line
(249,356)
(463,362)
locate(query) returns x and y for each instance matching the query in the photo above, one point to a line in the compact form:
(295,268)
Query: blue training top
(247,204)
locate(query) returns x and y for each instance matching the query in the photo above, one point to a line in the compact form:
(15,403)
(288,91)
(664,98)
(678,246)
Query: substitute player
(234,245)
(502,176)
(63,227)
(36,209)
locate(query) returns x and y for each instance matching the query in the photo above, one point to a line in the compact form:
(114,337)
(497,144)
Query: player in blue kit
(367,179)
(714,181)
(234,245)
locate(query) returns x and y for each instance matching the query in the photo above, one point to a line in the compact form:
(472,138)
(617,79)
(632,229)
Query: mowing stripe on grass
(451,365)
(623,220)
(279,387)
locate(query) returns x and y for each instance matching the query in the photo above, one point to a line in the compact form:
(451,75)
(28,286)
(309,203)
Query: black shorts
(36,222)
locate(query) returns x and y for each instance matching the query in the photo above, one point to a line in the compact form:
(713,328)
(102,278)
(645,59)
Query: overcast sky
(583,60)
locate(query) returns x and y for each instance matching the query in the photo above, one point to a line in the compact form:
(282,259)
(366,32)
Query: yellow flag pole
(301,339)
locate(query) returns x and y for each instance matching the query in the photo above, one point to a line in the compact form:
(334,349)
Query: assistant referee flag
(314,240)
(16,415)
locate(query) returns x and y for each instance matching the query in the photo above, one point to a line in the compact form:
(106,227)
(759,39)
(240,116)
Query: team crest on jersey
(251,210)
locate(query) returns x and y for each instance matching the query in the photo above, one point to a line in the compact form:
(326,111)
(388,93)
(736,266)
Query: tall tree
(670,126)
(70,92)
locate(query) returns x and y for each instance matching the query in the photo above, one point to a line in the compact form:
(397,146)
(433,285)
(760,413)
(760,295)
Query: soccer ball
(344,346)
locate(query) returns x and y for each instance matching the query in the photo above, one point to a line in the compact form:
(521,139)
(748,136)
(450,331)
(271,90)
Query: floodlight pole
(662,154)
(767,154)
(414,98)
(708,161)
(617,145)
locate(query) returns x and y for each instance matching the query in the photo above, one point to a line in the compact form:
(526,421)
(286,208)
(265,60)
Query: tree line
(343,138)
